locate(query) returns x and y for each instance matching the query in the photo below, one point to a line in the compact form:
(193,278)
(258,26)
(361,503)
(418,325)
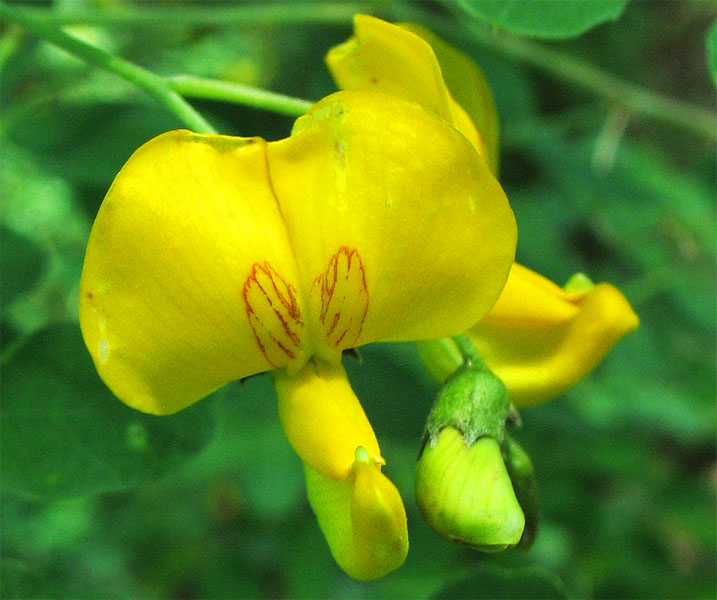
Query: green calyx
(474,401)
(522,475)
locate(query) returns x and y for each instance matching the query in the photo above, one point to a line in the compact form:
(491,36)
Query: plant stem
(168,90)
(148,81)
(589,77)
(468,350)
(440,356)
(443,356)
(214,89)
(635,98)
(288,13)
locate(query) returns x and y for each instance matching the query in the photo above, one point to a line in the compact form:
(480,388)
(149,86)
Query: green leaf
(251,445)
(37,204)
(64,434)
(711,43)
(491,581)
(41,208)
(552,19)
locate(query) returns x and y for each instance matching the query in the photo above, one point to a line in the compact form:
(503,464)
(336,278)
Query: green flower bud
(473,483)
(465,493)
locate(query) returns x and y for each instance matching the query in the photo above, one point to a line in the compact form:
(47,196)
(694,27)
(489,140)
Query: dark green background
(99,501)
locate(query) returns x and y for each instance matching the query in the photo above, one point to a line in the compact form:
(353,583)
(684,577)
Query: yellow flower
(538,339)
(541,339)
(213,258)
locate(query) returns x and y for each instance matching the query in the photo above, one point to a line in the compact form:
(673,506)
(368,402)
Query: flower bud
(468,468)
(465,493)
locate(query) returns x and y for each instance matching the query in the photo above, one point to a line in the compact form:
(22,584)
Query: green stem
(444,356)
(269,13)
(577,72)
(440,356)
(214,89)
(148,81)
(468,350)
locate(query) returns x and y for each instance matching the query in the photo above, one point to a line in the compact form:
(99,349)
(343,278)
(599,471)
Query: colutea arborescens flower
(380,218)
(213,258)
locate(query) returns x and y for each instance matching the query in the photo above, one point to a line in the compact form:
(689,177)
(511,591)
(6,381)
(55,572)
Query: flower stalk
(148,81)
(168,91)
(237,93)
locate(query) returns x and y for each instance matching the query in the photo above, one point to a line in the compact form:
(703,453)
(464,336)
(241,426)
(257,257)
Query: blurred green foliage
(101,501)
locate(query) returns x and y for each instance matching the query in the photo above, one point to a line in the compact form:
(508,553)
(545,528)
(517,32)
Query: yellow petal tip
(541,339)
(362,518)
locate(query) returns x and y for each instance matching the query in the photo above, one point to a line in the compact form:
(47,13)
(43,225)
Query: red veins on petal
(273,313)
(340,298)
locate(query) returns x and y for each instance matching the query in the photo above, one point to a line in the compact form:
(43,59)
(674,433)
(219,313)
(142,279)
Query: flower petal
(465,493)
(404,61)
(323,418)
(189,279)
(362,517)
(540,340)
(359,510)
(400,203)
(469,89)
